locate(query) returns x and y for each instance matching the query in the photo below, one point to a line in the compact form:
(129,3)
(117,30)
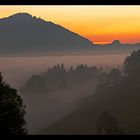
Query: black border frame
(69,2)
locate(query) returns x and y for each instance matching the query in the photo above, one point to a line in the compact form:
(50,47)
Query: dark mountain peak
(23,19)
(21,15)
(16,18)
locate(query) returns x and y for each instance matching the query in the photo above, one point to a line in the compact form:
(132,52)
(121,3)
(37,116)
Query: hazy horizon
(16,70)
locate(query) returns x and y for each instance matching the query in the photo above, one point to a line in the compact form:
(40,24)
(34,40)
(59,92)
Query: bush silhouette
(108,124)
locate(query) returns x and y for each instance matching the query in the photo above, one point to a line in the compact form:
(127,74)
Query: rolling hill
(23,33)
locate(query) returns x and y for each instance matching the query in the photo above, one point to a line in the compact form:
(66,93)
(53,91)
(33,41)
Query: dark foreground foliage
(12,111)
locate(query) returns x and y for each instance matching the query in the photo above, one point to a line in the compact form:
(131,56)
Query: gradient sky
(100,24)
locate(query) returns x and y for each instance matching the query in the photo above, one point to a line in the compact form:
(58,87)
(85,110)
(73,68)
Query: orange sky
(100,24)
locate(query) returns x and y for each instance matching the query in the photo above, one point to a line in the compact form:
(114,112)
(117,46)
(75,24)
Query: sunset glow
(100,24)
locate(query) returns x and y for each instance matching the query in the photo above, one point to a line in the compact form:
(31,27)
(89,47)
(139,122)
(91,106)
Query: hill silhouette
(24,33)
(116,47)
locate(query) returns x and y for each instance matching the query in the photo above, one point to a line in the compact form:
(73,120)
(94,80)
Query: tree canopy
(57,77)
(12,111)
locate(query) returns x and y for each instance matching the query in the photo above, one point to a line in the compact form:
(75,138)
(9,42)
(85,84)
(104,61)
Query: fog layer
(44,109)
(16,70)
